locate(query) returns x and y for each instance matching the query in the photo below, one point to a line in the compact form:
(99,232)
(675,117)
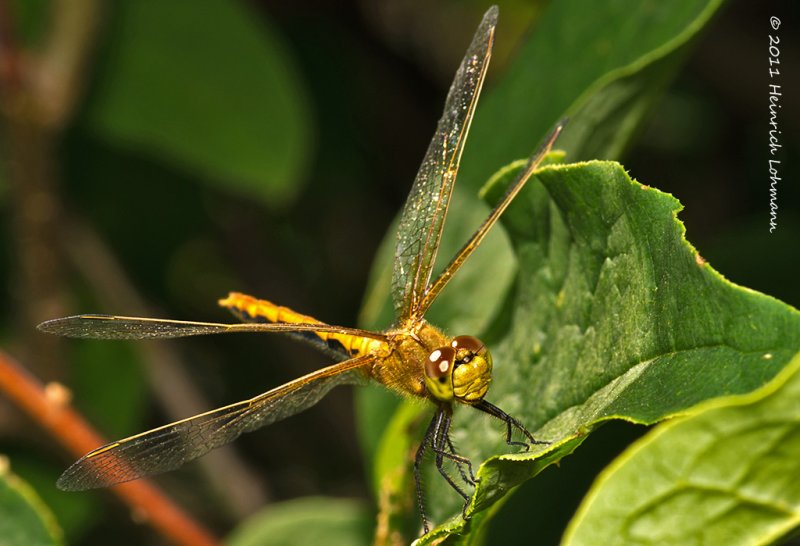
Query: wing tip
(559,126)
(492,14)
(75,478)
(63,483)
(86,474)
(69,326)
(488,24)
(54,326)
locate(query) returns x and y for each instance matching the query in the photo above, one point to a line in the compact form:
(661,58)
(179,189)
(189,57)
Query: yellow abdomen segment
(250,309)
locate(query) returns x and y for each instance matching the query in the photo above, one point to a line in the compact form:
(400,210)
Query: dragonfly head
(461,371)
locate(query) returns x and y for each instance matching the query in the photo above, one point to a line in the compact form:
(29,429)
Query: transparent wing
(422,220)
(118,327)
(169,447)
(467,250)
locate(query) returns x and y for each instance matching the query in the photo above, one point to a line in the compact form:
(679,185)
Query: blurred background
(266,147)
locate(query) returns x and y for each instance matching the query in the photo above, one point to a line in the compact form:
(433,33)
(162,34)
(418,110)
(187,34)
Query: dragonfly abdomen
(249,309)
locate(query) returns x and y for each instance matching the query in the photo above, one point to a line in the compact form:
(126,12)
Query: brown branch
(49,406)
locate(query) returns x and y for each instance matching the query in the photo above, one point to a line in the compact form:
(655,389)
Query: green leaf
(24,518)
(311,520)
(209,87)
(605,71)
(725,475)
(614,316)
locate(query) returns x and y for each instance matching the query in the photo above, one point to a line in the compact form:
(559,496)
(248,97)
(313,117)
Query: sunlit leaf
(727,475)
(614,316)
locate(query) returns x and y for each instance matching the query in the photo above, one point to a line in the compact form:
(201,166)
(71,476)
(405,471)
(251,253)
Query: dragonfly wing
(169,447)
(422,219)
(467,250)
(118,327)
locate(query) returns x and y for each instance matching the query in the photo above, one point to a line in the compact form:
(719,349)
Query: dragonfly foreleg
(511,424)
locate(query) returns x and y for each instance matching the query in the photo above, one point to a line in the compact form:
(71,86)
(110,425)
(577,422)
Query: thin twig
(62,64)
(49,406)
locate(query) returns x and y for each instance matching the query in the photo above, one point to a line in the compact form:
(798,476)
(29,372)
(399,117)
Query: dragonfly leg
(440,445)
(428,439)
(470,479)
(511,424)
(437,437)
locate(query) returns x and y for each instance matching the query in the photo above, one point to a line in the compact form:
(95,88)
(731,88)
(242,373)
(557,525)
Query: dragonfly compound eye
(439,373)
(473,369)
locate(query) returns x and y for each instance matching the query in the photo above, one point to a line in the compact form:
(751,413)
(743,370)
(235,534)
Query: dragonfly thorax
(460,371)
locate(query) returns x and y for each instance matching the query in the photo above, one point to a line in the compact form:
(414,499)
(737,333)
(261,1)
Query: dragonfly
(413,357)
